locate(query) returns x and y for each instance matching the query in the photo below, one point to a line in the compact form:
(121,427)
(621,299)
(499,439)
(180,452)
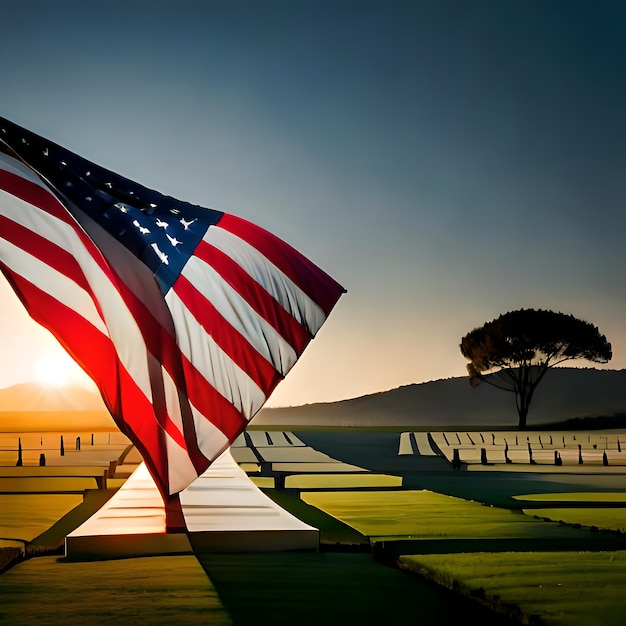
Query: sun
(55,370)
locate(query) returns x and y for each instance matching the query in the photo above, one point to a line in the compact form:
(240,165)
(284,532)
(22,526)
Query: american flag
(185,317)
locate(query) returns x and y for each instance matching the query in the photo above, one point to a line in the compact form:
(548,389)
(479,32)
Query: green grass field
(341,481)
(589,509)
(573,588)
(148,591)
(24,516)
(343,584)
(427,515)
(584,497)
(604,518)
(298,589)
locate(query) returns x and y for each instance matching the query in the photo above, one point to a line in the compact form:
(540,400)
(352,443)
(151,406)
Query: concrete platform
(223,510)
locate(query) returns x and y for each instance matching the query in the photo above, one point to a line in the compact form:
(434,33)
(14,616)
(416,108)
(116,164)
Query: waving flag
(185,317)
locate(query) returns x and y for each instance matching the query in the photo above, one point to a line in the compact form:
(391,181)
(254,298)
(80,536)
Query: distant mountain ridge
(565,393)
(32,397)
(31,407)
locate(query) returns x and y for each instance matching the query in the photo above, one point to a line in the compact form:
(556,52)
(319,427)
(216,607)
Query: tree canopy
(519,347)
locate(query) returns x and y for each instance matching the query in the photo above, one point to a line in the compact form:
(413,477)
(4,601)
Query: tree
(515,351)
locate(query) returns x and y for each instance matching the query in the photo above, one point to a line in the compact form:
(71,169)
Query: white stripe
(211,440)
(181,471)
(266,340)
(16,167)
(297,303)
(172,402)
(212,362)
(64,290)
(122,326)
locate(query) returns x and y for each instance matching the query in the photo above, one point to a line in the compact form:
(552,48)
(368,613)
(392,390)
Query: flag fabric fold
(186,318)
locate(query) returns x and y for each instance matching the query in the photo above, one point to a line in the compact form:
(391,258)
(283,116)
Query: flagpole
(174,518)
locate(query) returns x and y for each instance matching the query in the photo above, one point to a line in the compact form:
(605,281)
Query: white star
(187,224)
(161,223)
(173,240)
(142,229)
(159,253)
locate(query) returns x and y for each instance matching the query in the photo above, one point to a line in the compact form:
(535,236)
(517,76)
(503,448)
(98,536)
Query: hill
(565,393)
(35,397)
(34,407)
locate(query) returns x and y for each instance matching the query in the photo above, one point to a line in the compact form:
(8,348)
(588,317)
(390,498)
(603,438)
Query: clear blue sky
(445,161)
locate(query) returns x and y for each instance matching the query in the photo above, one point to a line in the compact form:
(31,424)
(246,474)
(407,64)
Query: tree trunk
(522,412)
(524,390)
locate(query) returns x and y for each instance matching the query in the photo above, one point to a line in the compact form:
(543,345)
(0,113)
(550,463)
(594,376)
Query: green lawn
(332,530)
(563,588)
(341,481)
(151,591)
(595,508)
(428,515)
(342,588)
(604,518)
(327,589)
(586,496)
(24,516)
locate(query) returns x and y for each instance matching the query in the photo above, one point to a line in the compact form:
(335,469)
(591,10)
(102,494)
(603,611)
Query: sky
(445,161)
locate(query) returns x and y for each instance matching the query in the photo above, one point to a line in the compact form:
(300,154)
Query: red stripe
(40,247)
(47,202)
(318,285)
(256,296)
(213,405)
(66,264)
(228,338)
(130,409)
(157,339)
(33,194)
(163,347)
(144,421)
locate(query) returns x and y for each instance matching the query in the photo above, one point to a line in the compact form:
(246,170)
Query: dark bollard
(456,459)
(92,439)
(605,460)
(42,460)
(78,443)
(557,458)
(62,450)
(483,456)
(19,453)
(580,454)
(530,454)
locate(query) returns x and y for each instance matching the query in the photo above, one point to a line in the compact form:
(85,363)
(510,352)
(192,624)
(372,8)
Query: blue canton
(159,230)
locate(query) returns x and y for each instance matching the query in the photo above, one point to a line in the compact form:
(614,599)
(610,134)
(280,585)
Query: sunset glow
(445,163)
(57,369)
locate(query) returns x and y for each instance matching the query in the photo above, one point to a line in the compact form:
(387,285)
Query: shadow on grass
(52,541)
(333,532)
(310,589)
